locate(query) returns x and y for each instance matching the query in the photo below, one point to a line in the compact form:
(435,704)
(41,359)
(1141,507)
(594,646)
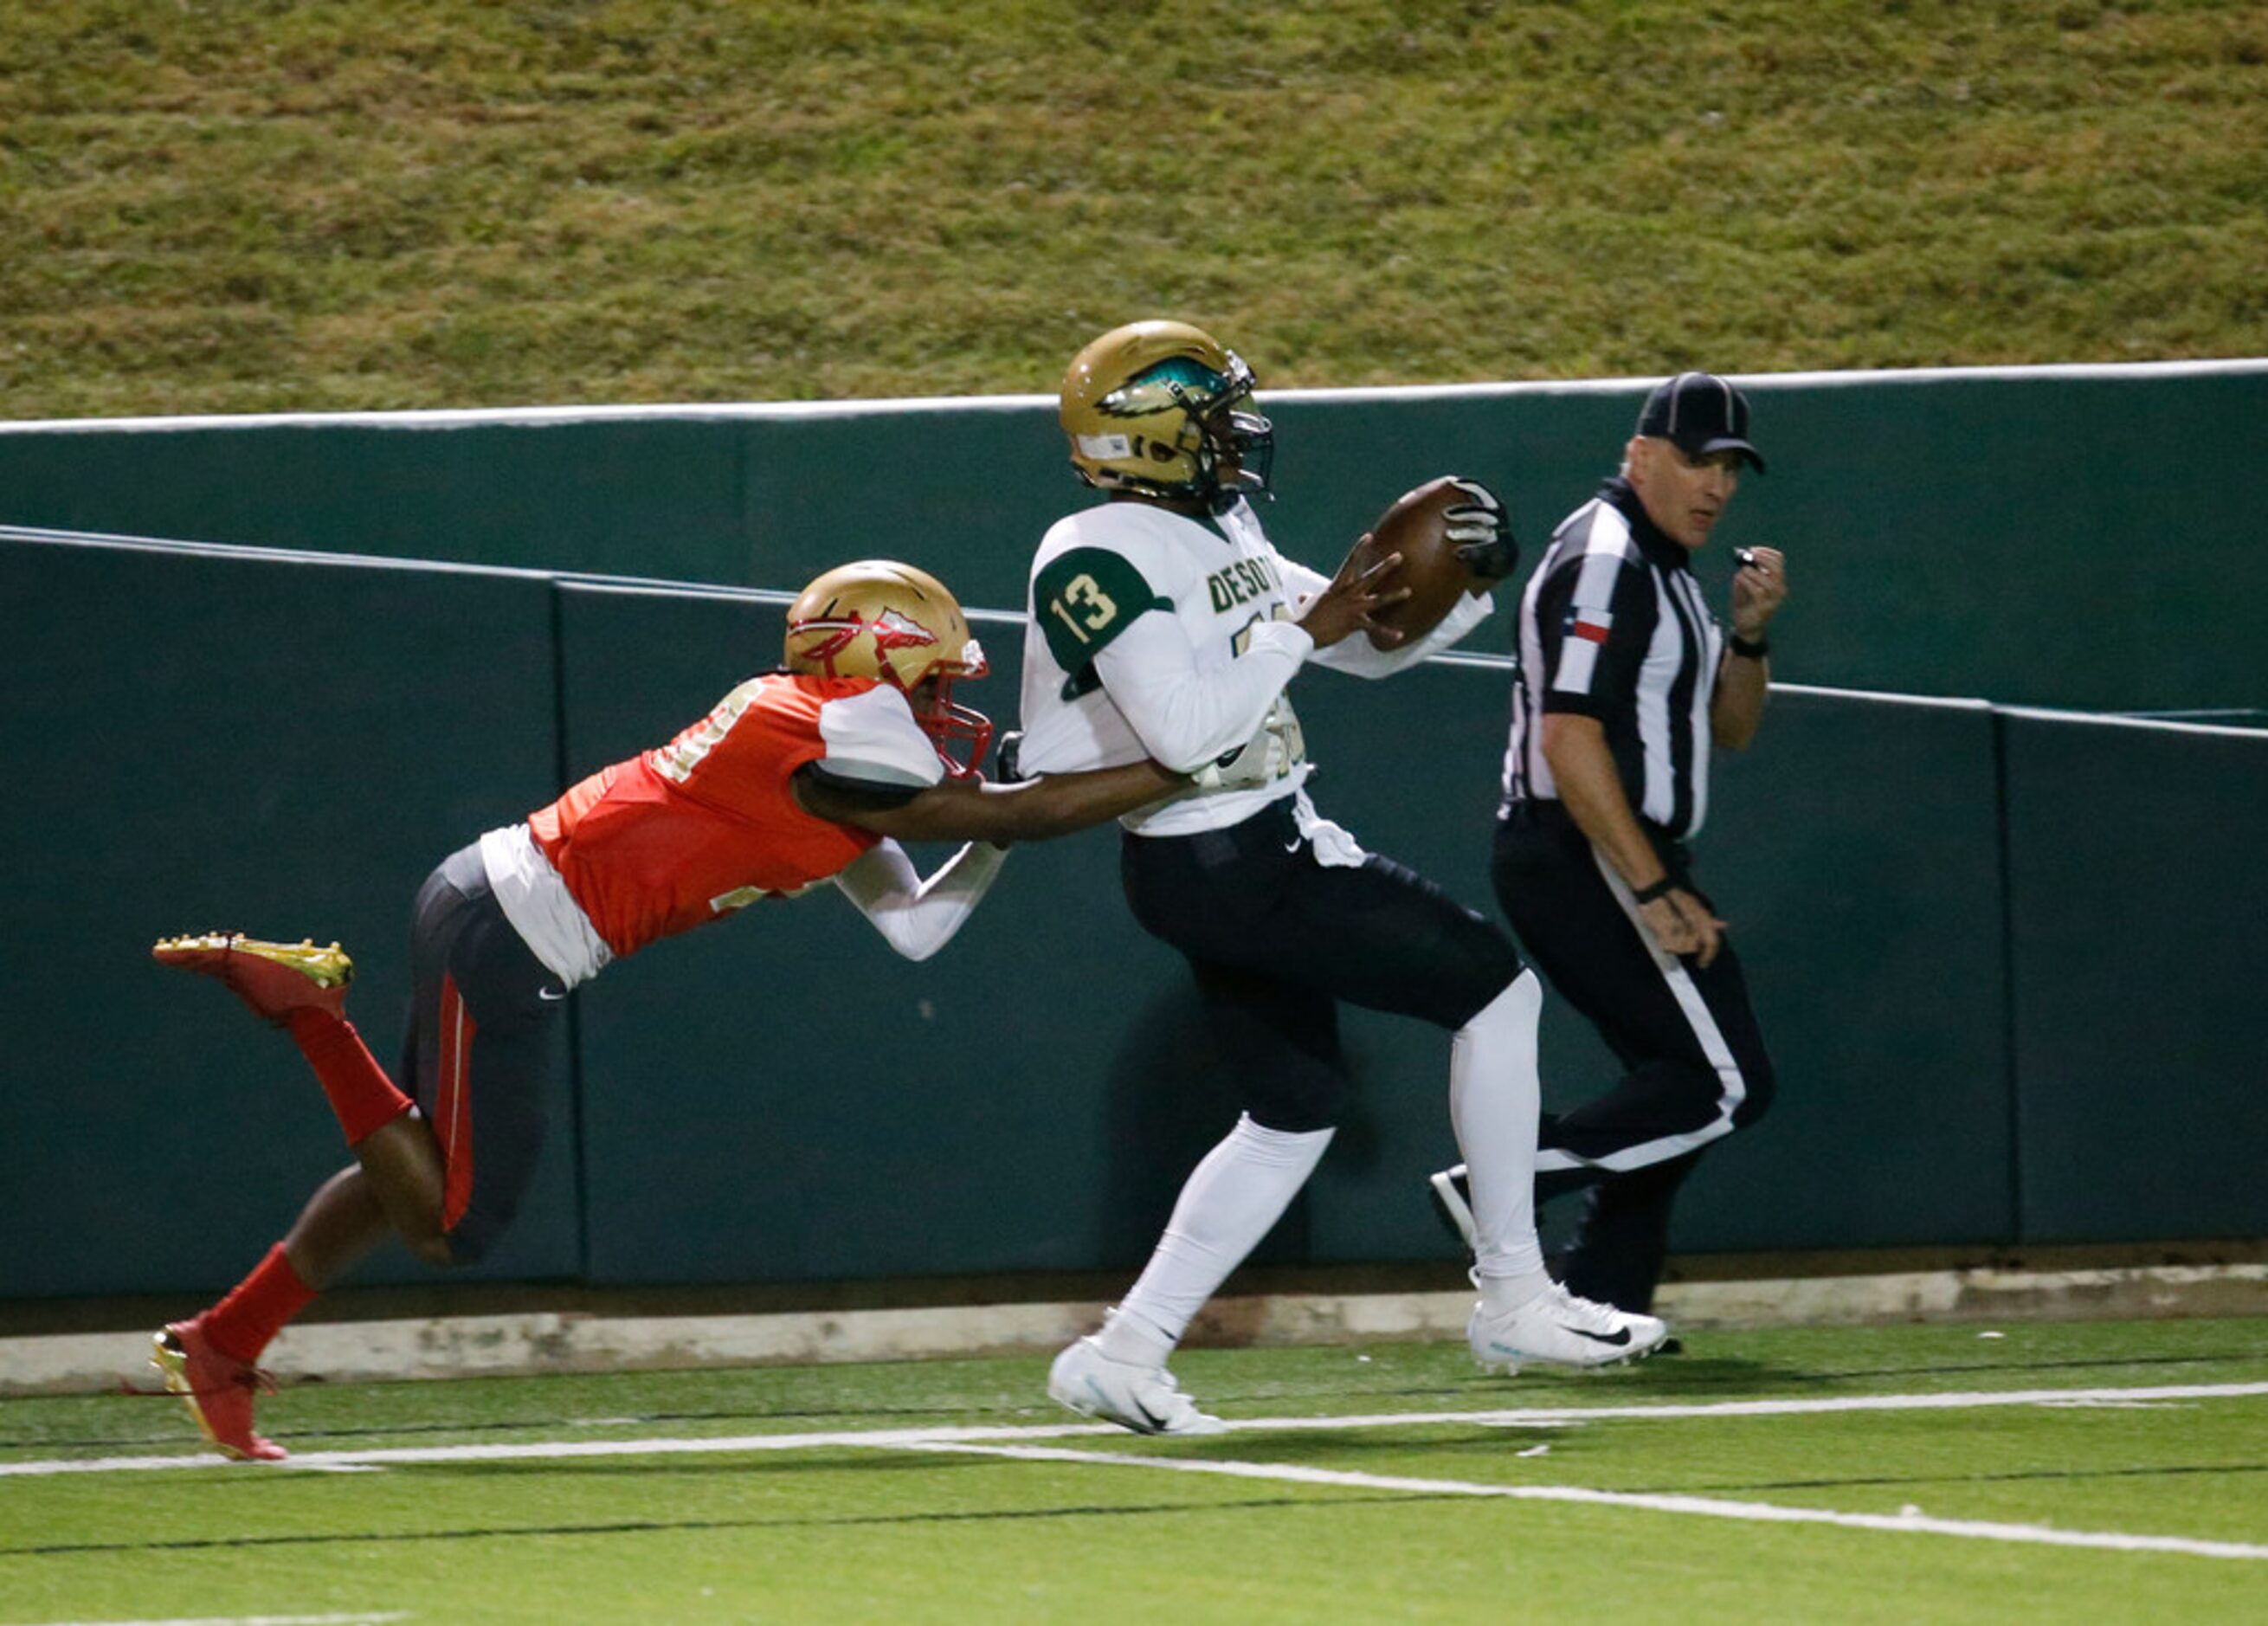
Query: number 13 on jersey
(1087,597)
(1084,607)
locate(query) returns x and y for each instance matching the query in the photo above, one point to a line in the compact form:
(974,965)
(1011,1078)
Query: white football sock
(1494,1100)
(1232,1199)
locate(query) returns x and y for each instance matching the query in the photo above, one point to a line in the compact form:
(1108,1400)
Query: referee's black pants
(1276,940)
(1695,1065)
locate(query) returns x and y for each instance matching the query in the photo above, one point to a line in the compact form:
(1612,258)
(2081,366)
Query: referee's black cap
(1702,413)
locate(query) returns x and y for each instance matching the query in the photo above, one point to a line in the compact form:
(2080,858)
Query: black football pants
(480,1049)
(1276,940)
(1695,1065)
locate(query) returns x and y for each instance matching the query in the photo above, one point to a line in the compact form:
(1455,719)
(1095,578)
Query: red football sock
(242,1325)
(361,1094)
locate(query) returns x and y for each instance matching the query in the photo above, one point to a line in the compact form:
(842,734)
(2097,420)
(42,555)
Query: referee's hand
(1683,926)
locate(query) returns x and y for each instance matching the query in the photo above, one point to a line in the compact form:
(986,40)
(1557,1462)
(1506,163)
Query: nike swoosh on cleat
(1620,1338)
(1102,1408)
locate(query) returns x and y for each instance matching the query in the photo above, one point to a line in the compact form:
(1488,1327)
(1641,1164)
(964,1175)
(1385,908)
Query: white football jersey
(1107,680)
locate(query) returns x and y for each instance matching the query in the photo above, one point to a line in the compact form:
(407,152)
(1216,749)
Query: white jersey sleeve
(919,917)
(873,739)
(1184,717)
(1361,658)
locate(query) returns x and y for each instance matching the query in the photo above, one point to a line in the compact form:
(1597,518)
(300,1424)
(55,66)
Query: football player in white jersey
(1165,624)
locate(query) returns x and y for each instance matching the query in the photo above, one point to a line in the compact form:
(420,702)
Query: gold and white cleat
(275,978)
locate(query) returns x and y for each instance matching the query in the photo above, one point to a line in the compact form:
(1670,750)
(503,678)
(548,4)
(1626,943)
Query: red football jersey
(708,824)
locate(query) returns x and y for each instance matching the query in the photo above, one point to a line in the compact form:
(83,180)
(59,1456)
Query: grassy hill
(239,205)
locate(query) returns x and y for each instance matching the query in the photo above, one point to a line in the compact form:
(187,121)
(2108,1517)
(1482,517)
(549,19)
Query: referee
(1625,683)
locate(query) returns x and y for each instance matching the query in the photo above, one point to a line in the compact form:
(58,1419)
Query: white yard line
(1565,1417)
(914,1439)
(1018,1444)
(1708,1507)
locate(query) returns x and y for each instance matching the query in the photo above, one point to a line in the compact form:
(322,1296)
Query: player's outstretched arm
(918,916)
(970,810)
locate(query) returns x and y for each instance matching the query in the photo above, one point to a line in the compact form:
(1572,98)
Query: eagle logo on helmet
(1161,409)
(1177,381)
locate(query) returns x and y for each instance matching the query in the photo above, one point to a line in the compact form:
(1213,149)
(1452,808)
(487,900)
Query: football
(1414,528)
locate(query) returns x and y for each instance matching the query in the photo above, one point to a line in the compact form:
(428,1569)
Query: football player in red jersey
(801,776)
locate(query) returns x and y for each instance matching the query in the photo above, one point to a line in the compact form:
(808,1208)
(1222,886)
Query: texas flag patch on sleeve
(1579,650)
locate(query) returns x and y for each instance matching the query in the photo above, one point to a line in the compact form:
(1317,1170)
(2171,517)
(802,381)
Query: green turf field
(2088,1472)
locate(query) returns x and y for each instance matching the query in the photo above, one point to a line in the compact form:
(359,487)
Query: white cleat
(1144,1399)
(1555,1328)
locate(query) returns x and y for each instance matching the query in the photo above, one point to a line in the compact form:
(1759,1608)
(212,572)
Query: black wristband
(1662,888)
(1749,649)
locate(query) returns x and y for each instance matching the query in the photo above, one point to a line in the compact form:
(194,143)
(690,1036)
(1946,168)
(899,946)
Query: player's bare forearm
(969,810)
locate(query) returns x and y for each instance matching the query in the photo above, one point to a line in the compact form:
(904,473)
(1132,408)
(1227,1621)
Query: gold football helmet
(880,619)
(1163,408)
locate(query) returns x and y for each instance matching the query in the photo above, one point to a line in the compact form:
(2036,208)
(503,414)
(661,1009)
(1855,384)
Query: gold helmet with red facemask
(880,619)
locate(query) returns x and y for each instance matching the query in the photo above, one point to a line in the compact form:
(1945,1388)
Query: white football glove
(1272,752)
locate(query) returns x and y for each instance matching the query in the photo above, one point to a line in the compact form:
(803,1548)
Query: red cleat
(217,1388)
(273,978)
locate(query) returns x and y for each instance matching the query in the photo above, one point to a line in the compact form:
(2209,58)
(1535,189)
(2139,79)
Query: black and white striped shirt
(1613,626)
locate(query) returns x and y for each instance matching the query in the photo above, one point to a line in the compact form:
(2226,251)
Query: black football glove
(1006,769)
(1481,532)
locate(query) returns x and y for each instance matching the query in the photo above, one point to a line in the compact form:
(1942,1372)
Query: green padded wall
(2137,873)
(1854,850)
(642,495)
(963,489)
(196,742)
(2075,537)
(200,738)
(1962,533)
